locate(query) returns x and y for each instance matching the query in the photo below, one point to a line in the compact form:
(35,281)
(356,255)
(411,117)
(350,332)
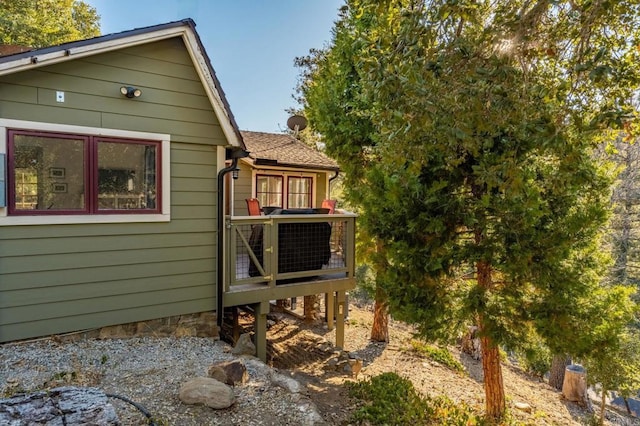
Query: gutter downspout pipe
(234,154)
(332,179)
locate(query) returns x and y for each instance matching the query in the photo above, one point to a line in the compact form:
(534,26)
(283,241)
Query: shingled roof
(280,149)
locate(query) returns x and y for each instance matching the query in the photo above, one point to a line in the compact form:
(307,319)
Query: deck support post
(329,304)
(235,325)
(260,327)
(340,313)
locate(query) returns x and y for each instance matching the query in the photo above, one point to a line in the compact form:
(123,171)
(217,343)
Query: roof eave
(252,162)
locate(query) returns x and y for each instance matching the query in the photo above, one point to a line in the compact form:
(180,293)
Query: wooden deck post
(329,304)
(235,326)
(260,326)
(340,313)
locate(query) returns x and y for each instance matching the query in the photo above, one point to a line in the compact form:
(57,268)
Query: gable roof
(281,149)
(186,29)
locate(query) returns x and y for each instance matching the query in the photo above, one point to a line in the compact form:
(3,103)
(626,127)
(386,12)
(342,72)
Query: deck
(282,256)
(290,255)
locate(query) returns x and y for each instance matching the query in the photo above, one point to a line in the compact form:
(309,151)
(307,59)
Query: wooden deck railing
(287,249)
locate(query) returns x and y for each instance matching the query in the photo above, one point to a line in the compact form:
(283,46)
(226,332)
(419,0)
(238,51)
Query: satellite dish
(297,123)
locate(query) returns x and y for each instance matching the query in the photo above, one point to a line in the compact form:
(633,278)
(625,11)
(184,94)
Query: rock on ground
(67,406)
(207,391)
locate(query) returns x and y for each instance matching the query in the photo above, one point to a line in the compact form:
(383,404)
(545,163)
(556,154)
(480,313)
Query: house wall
(243,186)
(321,188)
(61,278)
(242,190)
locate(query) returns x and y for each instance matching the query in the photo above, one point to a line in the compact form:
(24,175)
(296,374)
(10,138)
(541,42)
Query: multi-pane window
(299,192)
(53,173)
(271,191)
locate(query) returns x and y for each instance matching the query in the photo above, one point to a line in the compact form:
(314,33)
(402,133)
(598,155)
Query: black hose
(135,404)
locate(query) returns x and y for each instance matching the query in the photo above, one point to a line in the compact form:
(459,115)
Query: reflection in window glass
(48,173)
(269,190)
(126,176)
(299,192)
(51,173)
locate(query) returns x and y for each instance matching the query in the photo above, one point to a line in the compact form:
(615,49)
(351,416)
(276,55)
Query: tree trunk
(380,328)
(558,367)
(310,313)
(603,403)
(495,403)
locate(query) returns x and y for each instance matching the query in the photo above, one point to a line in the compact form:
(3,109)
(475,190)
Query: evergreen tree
(467,131)
(624,231)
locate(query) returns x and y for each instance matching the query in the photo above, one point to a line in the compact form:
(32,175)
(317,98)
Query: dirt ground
(303,349)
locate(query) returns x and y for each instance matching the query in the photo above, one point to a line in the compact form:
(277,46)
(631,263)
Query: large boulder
(207,391)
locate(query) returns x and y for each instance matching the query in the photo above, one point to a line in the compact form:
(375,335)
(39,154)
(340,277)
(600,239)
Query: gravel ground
(150,372)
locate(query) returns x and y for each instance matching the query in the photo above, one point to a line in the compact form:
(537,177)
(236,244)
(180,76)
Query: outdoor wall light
(234,173)
(130,92)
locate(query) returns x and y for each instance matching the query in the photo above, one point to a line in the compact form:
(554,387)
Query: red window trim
(90,174)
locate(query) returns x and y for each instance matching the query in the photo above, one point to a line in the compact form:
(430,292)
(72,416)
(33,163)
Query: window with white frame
(52,174)
(284,190)
(269,190)
(299,192)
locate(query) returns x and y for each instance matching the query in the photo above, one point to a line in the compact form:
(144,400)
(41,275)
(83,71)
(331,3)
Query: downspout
(234,154)
(331,180)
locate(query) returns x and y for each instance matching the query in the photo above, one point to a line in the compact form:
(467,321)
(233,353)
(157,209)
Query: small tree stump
(574,387)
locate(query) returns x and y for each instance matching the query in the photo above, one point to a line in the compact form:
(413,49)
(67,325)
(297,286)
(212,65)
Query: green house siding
(321,188)
(61,278)
(242,190)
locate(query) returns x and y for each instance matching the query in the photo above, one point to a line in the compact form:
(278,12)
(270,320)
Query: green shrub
(535,358)
(389,399)
(439,355)
(365,285)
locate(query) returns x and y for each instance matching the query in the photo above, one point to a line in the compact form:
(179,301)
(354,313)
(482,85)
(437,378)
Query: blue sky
(251,43)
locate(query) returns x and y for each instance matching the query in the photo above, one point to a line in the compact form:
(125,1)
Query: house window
(299,192)
(54,174)
(285,190)
(269,190)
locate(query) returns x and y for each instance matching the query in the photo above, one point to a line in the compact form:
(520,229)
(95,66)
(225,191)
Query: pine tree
(467,131)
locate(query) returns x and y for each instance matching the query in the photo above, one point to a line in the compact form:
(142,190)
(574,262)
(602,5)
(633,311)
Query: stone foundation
(191,325)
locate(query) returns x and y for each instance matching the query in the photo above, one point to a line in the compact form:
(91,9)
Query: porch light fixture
(130,92)
(234,173)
